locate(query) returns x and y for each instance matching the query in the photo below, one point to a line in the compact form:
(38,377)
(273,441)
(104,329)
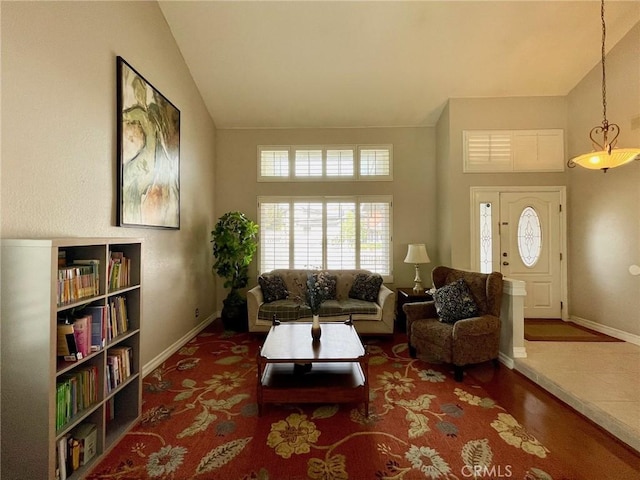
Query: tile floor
(601,380)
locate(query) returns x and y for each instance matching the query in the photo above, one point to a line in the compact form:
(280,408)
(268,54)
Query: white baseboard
(177,345)
(506,360)
(612,332)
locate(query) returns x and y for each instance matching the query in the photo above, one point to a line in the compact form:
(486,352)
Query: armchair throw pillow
(455,302)
(366,287)
(273,288)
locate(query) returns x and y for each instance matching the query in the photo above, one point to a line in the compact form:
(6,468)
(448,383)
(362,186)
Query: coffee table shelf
(339,366)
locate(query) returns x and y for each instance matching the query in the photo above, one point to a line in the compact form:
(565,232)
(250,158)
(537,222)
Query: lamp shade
(603,160)
(417,253)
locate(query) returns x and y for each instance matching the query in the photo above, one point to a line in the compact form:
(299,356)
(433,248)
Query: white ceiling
(303,64)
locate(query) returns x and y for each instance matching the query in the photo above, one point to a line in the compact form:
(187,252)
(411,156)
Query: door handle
(505,263)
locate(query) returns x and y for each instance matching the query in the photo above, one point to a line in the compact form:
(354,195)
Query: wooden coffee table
(338,366)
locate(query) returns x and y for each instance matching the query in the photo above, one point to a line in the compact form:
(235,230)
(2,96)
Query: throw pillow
(328,283)
(455,302)
(366,286)
(273,288)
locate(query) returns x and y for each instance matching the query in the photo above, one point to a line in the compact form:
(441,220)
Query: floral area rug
(200,421)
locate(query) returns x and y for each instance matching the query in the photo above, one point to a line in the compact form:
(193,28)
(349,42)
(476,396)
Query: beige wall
(604,209)
(413,186)
(58,174)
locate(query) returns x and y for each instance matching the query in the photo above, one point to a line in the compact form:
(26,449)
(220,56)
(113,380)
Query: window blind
(326,232)
(308,163)
(375,162)
(274,162)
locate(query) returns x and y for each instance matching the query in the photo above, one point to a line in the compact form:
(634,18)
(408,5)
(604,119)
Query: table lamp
(417,254)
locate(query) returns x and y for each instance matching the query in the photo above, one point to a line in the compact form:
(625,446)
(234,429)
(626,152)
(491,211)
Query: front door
(519,231)
(530,248)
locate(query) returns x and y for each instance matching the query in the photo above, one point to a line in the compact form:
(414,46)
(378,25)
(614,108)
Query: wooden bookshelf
(31,369)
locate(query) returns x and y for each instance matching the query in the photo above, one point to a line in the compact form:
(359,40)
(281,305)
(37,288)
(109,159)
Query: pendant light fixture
(604,155)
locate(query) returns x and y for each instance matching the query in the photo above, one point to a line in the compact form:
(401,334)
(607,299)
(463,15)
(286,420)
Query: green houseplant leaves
(235,241)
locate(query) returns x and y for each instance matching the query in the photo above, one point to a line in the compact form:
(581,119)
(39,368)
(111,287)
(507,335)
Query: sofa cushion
(289,310)
(273,287)
(455,302)
(366,287)
(284,310)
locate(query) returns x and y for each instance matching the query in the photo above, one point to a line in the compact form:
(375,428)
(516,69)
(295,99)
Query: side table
(407,295)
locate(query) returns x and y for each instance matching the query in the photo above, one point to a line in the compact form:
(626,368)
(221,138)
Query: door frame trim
(475,192)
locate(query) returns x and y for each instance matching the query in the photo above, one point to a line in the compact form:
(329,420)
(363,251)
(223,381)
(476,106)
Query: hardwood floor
(590,452)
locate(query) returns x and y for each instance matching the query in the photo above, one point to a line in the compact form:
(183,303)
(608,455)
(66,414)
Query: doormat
(554,330)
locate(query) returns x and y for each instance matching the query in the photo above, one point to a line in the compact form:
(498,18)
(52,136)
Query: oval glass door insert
(529,237)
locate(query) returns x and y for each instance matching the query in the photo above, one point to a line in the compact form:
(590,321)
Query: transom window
(290,163)
(326,232)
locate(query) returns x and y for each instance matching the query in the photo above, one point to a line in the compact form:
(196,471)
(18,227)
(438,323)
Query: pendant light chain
(604,75)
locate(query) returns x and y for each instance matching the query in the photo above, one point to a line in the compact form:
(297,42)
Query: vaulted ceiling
(262,64)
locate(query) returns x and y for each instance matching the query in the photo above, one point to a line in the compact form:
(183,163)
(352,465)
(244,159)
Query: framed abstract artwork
(148,137)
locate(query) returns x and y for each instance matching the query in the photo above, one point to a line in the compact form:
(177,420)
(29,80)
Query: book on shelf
(119,361)
(82,334)
(99,315)
(94,273)
(61,448)
(119,271)
(86,435)
(75,391)
(119,319)
(79,280)
(66,342)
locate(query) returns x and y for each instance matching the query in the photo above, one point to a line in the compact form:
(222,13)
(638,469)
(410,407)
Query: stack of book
(119,271)
(118,318)
(75,392)
(75,449)
(74,339)
(78,280)
(119,362)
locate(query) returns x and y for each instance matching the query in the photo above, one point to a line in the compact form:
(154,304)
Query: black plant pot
(234,314)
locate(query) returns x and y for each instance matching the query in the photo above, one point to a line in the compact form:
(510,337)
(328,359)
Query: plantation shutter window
(487,151)
(375,162)
(340,163)
(326,233)
(274,162)
(325,163)
(274,235)
(307,235)
(308,163)
(341,235)
(375,235)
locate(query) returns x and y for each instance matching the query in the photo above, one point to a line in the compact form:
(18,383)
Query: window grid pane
(374,162)
(274,236)
(341,235)
(307,235)
(274,163)
(375,234)
(308,163)
(340,163)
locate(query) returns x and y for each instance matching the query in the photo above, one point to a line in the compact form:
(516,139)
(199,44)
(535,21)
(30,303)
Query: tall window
(326,232)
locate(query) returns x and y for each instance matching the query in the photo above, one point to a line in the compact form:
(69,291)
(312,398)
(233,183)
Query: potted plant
(235,240)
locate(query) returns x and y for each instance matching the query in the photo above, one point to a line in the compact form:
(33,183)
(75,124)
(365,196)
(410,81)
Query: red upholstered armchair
(465,341)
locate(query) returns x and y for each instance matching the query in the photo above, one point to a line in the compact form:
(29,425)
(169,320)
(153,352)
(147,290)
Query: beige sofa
(369,317)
